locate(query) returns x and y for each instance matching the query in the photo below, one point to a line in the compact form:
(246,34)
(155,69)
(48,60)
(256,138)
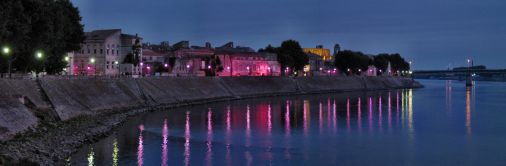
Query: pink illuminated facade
(248,64)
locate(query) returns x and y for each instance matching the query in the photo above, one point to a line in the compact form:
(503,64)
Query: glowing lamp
(67,58)
(116,62)
(92,60)
(228,67)
(38,55)
(142,64)
(166,65)
(6,50)
(209,67)
(188,66)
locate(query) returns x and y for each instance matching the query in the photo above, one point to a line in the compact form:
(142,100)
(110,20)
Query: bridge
(478,74)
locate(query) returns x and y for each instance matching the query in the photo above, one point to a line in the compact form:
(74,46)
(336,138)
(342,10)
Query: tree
(290,54)
(396,61)
(352,60)
(49,26)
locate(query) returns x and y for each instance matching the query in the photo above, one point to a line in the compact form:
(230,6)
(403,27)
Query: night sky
(432,33)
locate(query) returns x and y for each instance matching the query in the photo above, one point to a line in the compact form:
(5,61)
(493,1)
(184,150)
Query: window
(89,51)
(94,51)
(107,46)
(112,52)
(101,51)
(117,52)
(108,51)
(107,66)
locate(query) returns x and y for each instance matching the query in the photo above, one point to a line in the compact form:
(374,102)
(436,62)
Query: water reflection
(468,110)
(140,147)
(259,132)
(187,140)
(165,150)
(115,152)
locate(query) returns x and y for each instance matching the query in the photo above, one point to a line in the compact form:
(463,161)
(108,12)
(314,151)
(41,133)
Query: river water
(444,123)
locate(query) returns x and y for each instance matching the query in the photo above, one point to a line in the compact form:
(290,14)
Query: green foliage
(215,64)
(50,26)
(352,60)
(290,54)
(396,61)
(159,67)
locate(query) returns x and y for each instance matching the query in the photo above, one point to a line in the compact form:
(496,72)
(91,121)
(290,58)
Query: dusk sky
(431,33)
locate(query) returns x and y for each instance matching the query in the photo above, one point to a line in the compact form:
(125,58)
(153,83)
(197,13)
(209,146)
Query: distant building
(371,71)
(152,60)
(191,61)
(316,65)
(243,63)
(319,50)
(101,53)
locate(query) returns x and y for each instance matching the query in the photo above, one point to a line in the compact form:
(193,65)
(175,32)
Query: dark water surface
(444,123)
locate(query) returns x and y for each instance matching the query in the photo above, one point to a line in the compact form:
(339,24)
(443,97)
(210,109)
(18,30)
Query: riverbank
(55,116)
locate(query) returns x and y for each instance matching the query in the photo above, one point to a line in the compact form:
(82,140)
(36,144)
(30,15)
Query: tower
(337,49)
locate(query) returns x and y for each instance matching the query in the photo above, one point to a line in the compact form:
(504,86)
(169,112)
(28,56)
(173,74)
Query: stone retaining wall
(22,100)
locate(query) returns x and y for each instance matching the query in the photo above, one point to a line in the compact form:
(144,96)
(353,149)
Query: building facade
(319,50)
(101,53)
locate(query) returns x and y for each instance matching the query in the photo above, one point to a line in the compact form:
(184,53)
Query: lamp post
(92,61)
(117,68)
(7,52)
(39,56)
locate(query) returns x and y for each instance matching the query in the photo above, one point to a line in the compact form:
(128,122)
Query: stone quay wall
(26,103)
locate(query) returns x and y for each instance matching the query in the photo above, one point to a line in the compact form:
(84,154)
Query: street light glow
(67,58)
(116,62)
(39,55)
(92,60)
(6,50)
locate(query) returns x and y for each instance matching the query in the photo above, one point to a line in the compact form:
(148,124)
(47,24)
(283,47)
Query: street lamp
(39,55)
(6,50)
(92,61)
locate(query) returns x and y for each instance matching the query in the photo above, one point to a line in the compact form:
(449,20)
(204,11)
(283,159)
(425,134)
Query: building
(154,61)
(237,63)
(319,50)
(101,53)
(316,65)
(191,61)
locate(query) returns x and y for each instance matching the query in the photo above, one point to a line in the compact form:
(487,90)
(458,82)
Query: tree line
(355,60)
(38,34)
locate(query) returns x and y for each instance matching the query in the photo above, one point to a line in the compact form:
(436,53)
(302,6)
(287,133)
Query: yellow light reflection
(115,152)
(91,157)
(468,110)
(410,110)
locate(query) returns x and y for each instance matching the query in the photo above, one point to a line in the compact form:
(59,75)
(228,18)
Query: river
(444,123)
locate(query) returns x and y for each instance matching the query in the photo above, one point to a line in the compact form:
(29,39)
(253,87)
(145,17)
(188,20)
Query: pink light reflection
(380,116)
(370,114)
(389,110)
(359,114)
(305,116)
(348,114)
(187,140)
(335,116)
(320,115)
(248,126)
(165,150)
(140,147)
(287,118)
(209,153)
(227,137)
(328,113)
